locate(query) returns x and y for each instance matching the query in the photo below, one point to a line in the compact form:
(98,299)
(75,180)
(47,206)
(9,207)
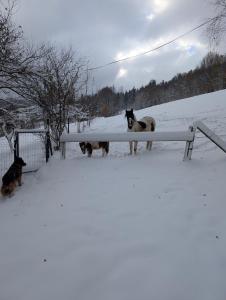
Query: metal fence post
(48,146)
(68,125)
(16,145)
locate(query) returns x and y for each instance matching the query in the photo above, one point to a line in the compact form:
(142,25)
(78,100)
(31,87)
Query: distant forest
(208,77)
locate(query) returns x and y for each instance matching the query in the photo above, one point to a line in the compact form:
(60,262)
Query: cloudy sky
(106,30)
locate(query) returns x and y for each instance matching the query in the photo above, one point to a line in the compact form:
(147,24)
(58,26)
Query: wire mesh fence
(32,145)
(6,156)
(32,149)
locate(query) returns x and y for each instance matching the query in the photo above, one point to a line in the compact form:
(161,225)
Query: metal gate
(34,146)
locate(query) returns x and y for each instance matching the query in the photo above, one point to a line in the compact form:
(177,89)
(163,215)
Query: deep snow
(123,227)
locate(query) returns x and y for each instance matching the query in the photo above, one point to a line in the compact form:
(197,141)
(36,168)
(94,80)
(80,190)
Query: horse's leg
(150,145)
(147,145)
(135,147)
(131,147)
(90,152)
(104,152)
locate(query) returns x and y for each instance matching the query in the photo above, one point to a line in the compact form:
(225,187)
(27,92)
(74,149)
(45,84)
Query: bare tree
(56,87)
(7,126)
(217,25)
(16,57)
(211,59)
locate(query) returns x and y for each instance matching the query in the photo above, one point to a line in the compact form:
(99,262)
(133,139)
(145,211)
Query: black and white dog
(90,146)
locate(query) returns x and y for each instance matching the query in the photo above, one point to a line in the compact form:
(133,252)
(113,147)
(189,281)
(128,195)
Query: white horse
(145,124)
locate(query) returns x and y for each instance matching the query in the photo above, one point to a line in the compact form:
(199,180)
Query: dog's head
(19,161)
(83,147)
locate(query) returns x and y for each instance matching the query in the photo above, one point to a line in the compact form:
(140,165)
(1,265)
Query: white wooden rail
(186,136)
(210,135)
(31,130)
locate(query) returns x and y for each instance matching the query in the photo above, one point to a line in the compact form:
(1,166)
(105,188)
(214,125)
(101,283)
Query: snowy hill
(123,227)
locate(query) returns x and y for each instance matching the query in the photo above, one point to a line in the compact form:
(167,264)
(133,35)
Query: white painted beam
(211,135)
(31,130)
(128,136)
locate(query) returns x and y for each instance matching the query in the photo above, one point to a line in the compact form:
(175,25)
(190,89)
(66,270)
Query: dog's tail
(4,191)
(7,190)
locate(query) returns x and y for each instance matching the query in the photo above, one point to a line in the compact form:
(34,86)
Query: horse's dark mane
(130,114)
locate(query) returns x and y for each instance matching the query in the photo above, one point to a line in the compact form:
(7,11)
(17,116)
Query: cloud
(150,17)
(159,6)
(121,73)
(103,31)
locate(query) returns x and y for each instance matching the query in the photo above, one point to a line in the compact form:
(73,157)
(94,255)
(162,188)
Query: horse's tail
(151,122)
(153,125)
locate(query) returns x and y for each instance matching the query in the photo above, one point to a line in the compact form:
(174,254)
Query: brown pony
(90,146)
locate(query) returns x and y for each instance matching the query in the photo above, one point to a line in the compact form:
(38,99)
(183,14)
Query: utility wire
(154,49)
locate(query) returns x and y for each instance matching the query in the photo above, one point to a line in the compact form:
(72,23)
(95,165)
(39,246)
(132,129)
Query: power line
(154,49)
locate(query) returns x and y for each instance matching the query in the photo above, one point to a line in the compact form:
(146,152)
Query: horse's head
(83,147)
(130,118)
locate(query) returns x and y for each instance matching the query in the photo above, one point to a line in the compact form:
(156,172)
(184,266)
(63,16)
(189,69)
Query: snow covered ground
(123,227)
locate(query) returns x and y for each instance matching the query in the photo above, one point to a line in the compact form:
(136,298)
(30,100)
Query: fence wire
(6,156)
(31,149)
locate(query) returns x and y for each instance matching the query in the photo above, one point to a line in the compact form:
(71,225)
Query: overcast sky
(105,30)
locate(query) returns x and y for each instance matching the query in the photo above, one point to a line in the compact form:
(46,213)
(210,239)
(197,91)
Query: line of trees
(208,77)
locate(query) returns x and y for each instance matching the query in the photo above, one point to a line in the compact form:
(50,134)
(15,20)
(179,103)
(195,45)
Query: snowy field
(123,227)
